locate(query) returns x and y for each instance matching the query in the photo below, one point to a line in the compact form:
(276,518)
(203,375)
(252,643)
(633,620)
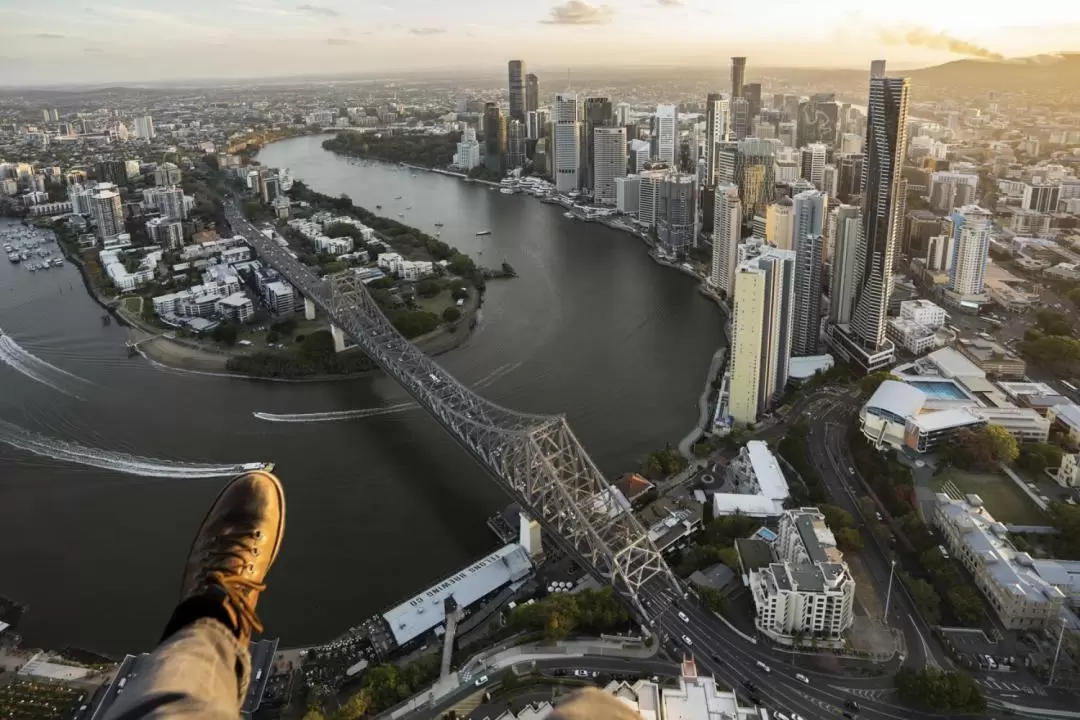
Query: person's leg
(201,668)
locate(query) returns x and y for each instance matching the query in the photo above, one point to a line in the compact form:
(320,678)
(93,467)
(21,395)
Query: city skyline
(127,42)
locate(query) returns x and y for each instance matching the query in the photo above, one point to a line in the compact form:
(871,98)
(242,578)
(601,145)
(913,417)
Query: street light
(1057,651)
(888,594)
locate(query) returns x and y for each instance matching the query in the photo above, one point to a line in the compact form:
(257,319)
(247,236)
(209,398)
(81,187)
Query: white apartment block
(566,120)
(1008,578)
(410,270)
(809,591)
(281,297)
(237,307)
(924,312)
(125,281)
(727,232)
(918,329)
(1068,474)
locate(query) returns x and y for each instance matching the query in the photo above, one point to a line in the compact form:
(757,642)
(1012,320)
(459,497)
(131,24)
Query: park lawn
(1006,502)
(133,305)
(443,300)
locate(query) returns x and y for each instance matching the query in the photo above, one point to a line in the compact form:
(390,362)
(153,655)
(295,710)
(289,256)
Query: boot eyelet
(255,551)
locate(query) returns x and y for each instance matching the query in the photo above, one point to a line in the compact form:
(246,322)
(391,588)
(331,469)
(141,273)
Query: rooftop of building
(1011,570)
(755,554)
(1068,414)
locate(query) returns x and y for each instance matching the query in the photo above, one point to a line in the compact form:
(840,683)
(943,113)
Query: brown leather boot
(235,547)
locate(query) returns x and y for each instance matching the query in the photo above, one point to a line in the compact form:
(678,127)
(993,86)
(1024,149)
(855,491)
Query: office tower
(515,145)
(786,133)
(752,93)
(877,69)
(649,195)
(468,150)
(850,143)
(884,189)
(830,180)
(1041,197)
(627,194)
(740,118)
(849,180)
(950,190)
(111,171)
(845,231)
(517,90)
(567,135)
(818,120)
(79,196)
(780,224)
(919,227)
(494,139)
(640,155)
(106,211)
(609,162)
(532,92)
(717,111)
(738,74)
(144,127)
(676,212)
(813,162)
(167,174)
(761,337)
(542,156)
(727,232)
(809,210)
(750,164)
(533,124)
(971,226)
(622,114)
(666,133)
(596,112)
(170,203)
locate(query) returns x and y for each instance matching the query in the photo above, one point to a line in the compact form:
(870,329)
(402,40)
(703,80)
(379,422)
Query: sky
(78,41)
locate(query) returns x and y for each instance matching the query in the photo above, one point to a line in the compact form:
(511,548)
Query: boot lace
(234,580)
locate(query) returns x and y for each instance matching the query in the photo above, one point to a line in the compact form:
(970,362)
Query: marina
(25,245)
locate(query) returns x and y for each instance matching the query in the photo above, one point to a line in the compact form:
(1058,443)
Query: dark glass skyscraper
(517,90)
(752,93)
(532,93)
(738,75)
(597,112)
(494,138)
(880,221)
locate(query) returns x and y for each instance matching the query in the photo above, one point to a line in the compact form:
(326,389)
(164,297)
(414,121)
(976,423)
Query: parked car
(482,680)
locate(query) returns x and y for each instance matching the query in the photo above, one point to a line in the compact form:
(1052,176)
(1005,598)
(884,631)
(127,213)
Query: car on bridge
(682,616)
(686,639)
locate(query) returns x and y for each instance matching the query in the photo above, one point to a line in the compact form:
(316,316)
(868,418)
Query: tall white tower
(667,134)
(565,117)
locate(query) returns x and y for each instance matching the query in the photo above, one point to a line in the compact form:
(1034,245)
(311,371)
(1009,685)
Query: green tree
(1036,457)
(1074,296)
(428,288)
(926,599)
(836,518)
(354,708)
(451,314)
(729,557)
(226,333)
(939,690)
(459,293)
(869,384)
(982,448)
(849,540)
(341,229)
(1002,444)
(383,283)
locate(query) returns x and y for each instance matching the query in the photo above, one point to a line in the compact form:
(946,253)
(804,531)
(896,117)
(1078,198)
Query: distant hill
(1042,73)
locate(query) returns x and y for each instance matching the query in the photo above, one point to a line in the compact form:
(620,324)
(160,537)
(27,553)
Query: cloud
(50,36)
(93,50)
(669,3)
(921,37)
(338,41)
(251,7)
(577,12)
(427,31)
(318,10)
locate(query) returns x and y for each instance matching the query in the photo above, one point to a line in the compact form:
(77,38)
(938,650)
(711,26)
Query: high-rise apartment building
(517,90)
(950,190)
(622,114)
(167,174)
(779,224)
(468,150)
(830,180)
(1041,197)
(761,337)
(727,233)
(609,162)
(717,113)
(649,195)
(863,340)
(971,226)
(845,237)
(738,76)
(849,178)
(809,211)
(750,164)
(596,113)
(532,92)
(565,118)
(813,163)
(640,155)
(515,144)
(144,127)
(676,212)
(494,138)
(106,210)
(666,133)
(819,120)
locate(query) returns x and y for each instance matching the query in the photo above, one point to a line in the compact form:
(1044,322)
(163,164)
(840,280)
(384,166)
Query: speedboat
(483,232)
(268,466)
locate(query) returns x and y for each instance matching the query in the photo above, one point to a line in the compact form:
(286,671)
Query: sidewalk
(502,659)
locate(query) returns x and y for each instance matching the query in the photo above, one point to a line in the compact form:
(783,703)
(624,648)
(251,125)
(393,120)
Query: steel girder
(536,457)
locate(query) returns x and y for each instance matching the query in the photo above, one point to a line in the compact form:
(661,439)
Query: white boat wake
(33,367)
(495,375)
(332,416)
(72,452)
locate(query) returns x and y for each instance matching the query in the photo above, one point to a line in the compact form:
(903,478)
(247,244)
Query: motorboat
(483,232)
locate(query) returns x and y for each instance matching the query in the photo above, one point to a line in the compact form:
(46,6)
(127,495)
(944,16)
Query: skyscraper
(517,90)
(740,118)
(609,162)
(971,227)
(676,212)
(849,177)
(596,112)
(780,224)
(567,135)
(515,144)
(494,138)
(144,127)
(750,164)
(809,211)
(761,338)
(884,190)
(727,232)
(752,93)
(106,211)
(622,114)
(845,229)
(738,75)
(532,92)
(813,163)
(666,132)
(717,112)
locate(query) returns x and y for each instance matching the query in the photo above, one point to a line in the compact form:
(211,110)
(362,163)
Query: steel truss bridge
(537,458)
